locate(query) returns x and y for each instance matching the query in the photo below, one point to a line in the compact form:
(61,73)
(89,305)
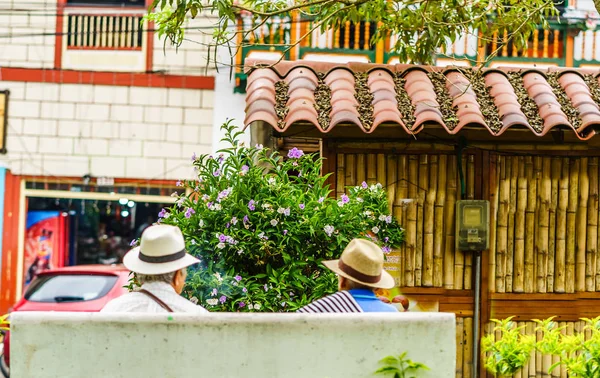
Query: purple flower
(386,239)
(295,153)
(227,225)
(162,214)
(245,220)
(178,183)
(222,238)
(217,173)
(209,205)
(222,299)
(194,157)
(286,212)
(244,290)
(285,232)
(238,278)
(133,243)
(345,198)
(364,185)
(223,194)
(242,304)
(251,205)
(214,292)
(221,158)
(245,169)
(386,249)
(189,211)
(321,199)
(266,287)
(301,206)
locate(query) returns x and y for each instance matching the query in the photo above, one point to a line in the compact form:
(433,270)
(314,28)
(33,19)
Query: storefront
(63,222)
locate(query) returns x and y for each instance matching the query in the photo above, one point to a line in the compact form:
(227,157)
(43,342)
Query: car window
(69,288)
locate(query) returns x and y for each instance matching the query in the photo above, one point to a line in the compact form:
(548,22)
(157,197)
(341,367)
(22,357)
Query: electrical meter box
(472,225)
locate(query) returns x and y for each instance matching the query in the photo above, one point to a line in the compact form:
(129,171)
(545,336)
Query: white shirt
(138,302)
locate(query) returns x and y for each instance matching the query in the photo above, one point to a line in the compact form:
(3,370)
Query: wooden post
(438,239)
(592,227)
(411,227)
(512,209)
(581,227)
(361,168)
(449,224)
(544,192)
(401,208)
(561,228)
(528,279)
(571,225)
(429,218)
(555,169)
(519,259)
(502,225)
(423,184)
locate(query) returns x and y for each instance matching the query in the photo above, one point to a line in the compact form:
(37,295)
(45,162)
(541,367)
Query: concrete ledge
(47,344)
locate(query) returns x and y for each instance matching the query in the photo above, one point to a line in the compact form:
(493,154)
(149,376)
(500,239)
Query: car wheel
(3,368)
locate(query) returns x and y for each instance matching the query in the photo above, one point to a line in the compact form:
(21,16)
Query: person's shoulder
(189,306)
(116,305)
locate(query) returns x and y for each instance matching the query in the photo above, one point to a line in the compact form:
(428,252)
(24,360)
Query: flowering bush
(261,224)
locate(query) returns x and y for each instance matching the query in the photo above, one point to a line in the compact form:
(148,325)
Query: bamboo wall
(545,213)
(422,191)
(543,235)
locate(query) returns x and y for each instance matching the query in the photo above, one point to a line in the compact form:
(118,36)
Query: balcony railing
(104,32)
(351,42)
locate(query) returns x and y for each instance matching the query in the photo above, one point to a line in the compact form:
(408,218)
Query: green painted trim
(368,53)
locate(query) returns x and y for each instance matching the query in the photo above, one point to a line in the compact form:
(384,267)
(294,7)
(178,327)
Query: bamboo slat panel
(422,193)
(538,365)
(546,225)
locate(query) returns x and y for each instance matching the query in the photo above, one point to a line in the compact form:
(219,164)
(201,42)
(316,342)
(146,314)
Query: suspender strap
(156,299)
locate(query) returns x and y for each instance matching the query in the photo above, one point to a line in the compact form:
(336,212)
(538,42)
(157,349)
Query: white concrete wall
(191,57)
(27,33)
(116,131)
(45,345)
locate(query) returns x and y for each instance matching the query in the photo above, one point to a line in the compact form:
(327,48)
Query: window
(108,3)
(69,288)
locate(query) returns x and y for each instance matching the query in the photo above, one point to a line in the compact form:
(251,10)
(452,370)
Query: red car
(85,288)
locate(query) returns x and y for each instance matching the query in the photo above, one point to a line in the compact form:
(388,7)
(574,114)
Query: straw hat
(362,262)
(161,250)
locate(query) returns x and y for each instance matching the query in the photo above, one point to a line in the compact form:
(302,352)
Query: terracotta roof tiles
(328,95)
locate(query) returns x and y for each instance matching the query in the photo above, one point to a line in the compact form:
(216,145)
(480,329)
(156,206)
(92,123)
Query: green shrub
(261,224)
(511,352)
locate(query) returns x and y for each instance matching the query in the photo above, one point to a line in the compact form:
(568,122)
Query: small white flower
(205,197)
(201,224)
(221,245)
(259,147)
(217,207)
(193,242)
(375,230)
(266,206)
(240,252)
(251,306)
(372,188)
(340,204)
(194,300)
(257,306)
(167,215)
(272,181)
(379,186)
(388,219)
(382,218)
(280,210)
(234,221)
(274,222)
(212,301)
(329,230)
(358,199)
(367,213)
(286,212)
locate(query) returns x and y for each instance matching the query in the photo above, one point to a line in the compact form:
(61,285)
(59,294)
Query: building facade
(100,119)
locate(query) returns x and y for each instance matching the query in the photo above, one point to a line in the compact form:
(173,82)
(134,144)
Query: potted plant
(261,223)
(508,354)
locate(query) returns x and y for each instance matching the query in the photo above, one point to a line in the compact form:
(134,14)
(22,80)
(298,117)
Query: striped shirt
(341,301)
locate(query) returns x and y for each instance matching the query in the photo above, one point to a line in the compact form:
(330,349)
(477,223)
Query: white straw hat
(362,262)
(161,250)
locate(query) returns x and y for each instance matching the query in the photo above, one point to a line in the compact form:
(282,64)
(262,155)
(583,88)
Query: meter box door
(472,225)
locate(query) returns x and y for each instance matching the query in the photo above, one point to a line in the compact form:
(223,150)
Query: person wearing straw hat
(360,272)
(160,264)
